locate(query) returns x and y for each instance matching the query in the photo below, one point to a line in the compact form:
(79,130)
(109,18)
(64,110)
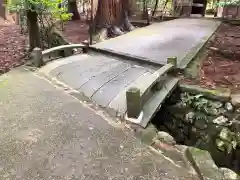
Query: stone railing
(40,57)
(141,103)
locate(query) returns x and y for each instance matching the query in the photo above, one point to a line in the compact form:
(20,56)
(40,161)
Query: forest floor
(12,46)
(76,31)
(220,67)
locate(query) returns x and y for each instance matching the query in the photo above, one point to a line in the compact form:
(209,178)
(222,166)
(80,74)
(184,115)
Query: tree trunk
(72,8)
(2,10)
(33,29)
(155,7)
(111,18)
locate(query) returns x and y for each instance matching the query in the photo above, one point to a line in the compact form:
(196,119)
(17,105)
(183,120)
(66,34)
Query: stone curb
(219,95)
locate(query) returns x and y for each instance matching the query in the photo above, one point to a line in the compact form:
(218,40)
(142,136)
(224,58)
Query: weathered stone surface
(134,105)
(229,174)
(221,120)
(204,164)
(165,137)
(157,42)
(47,134)
(228,106)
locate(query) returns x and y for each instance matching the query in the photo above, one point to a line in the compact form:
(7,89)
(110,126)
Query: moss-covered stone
(204,164)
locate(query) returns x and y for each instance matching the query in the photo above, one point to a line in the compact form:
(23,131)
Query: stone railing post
(134,104)
(172,60)
(37,57)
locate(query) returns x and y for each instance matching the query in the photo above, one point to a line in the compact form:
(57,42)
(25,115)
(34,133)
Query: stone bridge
(144,59)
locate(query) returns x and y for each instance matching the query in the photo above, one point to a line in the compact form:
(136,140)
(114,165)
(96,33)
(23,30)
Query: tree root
(100,35)
(115,31)
(127,26)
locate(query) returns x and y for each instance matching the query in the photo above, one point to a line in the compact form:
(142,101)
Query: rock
(220,145)
(202,160)
(228,106)
(225,134)
(221,120)
(166,138)
(235,100)
(190,117)
(229,174)
(213,48)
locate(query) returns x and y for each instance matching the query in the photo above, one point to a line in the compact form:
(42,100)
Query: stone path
(155,43)
(46,134)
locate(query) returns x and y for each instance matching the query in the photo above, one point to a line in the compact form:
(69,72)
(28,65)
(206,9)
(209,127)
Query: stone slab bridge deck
(111,67)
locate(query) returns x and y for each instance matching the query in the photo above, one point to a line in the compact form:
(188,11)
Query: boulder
(221,120)
(228,106)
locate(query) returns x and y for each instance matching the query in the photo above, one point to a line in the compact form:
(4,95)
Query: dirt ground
(13,44)
(76,31)
(221,64)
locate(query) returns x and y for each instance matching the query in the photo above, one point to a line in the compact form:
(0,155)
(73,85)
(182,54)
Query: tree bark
(72,8)
(33,29)
(111,18)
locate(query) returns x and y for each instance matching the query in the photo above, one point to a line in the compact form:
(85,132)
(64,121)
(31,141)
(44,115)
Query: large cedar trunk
(111,17)
(2,10)
(72,8)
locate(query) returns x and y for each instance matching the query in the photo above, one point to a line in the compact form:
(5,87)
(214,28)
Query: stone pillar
(37,57)
(134,104)
(172,60)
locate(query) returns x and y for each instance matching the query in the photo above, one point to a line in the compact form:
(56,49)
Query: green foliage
(199,103)
(41,7)
(228,3)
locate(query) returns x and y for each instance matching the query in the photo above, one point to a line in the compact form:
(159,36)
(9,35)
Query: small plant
(199,103)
